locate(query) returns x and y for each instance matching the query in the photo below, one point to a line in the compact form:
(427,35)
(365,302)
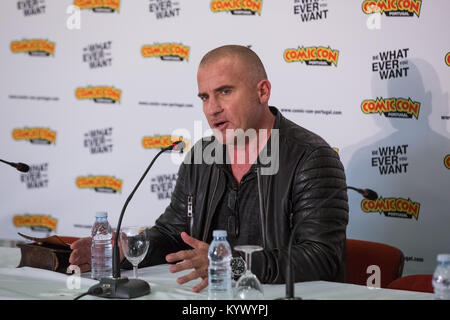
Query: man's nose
(213,106)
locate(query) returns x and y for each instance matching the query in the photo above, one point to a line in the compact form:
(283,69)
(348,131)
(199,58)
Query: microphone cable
(96,291)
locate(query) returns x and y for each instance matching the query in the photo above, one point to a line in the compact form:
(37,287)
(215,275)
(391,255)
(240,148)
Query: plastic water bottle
(101,250)
(219,271)
(441,278)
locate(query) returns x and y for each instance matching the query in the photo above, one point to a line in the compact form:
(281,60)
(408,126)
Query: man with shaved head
(267,175)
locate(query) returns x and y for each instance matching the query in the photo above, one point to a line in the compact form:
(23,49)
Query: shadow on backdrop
(404,163)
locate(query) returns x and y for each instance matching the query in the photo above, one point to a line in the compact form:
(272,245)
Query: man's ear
(264,88)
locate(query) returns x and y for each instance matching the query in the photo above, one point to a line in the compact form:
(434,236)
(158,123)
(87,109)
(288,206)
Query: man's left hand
(196,258)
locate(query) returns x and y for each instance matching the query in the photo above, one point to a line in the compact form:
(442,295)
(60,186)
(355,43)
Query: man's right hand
(81,254)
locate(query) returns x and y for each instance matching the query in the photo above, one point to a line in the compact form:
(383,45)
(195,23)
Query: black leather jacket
(309,172)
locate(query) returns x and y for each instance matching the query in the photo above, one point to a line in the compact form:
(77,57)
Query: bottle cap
(101,214)
(443,257)
(219,233)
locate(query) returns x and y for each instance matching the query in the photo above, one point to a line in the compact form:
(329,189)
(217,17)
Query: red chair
(361,254)
(417,282)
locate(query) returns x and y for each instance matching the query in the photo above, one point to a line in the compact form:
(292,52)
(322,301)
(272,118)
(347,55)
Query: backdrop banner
(90,91)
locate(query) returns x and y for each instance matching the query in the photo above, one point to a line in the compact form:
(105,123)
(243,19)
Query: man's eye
(203,98)
(226,91)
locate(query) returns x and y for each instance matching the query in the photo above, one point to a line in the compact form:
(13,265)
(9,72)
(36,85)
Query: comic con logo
(447,59)
(393,8)
(36,222)
(447,161)
(98,55)
(163,185)
(36,177)
(31,7)
(313,56)
(392,107)
(391,64)
(98,140)
(162,141)
(34,47)
(310,10)
(105,184)
(35,135)
(390,159)
(98,5)
(237,7)
(392,207)
(99,94)
(166,51)
(164,8)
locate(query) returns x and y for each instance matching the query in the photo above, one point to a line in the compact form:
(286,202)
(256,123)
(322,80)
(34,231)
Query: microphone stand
(290,279)
(118,287)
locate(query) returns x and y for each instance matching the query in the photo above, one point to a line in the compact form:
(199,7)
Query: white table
(37,284)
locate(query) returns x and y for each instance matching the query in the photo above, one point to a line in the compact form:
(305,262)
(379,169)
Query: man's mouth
(220,125)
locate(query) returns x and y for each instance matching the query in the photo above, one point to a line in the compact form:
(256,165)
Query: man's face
(230,99)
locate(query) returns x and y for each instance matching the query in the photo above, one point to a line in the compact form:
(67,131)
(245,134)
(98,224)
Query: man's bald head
(249,59)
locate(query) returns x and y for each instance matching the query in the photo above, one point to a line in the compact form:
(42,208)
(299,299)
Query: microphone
(22,167)
(178,146)
(290,295)
(366,193)
(124,288)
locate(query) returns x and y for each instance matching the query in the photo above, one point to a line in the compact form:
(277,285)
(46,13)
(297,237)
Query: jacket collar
(278,116)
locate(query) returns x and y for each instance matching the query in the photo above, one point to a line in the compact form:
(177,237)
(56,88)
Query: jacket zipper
(261,207)
(209,214)
(190,213)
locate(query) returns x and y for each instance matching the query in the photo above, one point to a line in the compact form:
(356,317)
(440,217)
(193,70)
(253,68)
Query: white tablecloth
(31,283)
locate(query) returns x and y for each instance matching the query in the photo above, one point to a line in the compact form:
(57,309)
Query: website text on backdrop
(257,188)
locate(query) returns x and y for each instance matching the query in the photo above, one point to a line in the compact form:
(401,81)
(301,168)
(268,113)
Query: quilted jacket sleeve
(318,251)
(319,245)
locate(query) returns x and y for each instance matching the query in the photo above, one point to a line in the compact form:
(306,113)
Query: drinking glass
(134,246)
(248,286)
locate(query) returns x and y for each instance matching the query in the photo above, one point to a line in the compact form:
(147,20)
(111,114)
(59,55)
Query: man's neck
(245,154)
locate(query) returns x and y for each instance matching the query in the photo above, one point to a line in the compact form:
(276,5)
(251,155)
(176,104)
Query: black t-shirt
(238,210)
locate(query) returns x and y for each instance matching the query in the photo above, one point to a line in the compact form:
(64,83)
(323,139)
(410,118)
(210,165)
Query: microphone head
(22,167)
(179,146)
(370,194)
